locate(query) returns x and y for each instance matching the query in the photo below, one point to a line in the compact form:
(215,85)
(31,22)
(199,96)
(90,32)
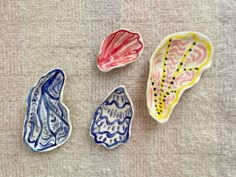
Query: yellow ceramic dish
(176,65)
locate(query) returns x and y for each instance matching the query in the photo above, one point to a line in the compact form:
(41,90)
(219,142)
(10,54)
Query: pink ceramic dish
(119,49)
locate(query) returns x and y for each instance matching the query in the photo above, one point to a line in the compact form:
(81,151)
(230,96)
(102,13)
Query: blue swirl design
(112,120)
(47,122)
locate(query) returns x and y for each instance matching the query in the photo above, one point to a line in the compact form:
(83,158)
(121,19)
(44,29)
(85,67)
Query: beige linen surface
(38,35)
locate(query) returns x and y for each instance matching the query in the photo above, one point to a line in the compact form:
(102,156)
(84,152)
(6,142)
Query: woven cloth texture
(199,140)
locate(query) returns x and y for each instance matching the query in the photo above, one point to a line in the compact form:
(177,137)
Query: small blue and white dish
(111,124)
(47,122)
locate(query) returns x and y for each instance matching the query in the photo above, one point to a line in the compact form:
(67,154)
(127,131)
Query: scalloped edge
(122,65)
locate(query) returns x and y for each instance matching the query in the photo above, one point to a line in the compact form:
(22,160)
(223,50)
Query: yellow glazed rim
(208,61)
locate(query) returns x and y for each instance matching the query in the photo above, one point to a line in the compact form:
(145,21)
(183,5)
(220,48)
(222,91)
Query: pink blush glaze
(119,49)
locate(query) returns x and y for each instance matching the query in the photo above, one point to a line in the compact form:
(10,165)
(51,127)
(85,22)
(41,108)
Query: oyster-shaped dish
(176,65)
(47,123)
(119,49)
(111,124)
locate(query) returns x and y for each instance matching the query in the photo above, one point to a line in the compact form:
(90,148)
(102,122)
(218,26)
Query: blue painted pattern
(112,120)
(47,123)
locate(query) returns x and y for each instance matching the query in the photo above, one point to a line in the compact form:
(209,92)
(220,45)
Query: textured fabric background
(38,35)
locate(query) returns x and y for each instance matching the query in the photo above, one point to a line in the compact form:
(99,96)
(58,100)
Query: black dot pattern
(162,94)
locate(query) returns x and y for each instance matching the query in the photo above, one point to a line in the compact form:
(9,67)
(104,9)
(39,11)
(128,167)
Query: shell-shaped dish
(119,49)
(176,65)
(47,123)
(111,124)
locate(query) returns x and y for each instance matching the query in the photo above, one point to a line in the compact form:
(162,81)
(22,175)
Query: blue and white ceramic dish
(111,124)
(47,123)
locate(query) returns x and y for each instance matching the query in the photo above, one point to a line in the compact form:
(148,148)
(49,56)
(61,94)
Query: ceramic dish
(176,65)
(111,124)
(47,123)
(119,49)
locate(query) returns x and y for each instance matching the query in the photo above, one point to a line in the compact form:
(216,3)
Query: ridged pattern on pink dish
(119,49)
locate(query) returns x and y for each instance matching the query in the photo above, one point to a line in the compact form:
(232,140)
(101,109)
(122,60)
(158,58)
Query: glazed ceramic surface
(119,49)
(47,122)
(176,65)
(111,124)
